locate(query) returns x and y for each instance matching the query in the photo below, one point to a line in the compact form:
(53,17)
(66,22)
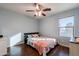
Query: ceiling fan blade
(47,9)
(29,10)
(43,14)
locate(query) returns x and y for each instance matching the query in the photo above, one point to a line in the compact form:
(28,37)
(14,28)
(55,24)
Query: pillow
(29,36)
(35,35)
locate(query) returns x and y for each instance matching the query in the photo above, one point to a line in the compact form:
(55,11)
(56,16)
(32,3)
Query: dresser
(74,48)
(3,46)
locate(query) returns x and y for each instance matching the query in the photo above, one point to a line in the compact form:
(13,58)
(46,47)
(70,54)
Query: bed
(42,44)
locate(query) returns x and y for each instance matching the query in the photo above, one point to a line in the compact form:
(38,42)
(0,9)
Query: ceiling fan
(39,10)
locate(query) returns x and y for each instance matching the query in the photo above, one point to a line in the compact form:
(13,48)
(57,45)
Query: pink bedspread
(40,45)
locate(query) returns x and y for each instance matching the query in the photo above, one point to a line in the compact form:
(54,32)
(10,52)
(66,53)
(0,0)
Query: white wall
(12,23)
(49,25)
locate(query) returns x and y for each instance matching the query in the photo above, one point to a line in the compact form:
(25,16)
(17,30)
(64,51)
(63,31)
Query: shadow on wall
(14,40)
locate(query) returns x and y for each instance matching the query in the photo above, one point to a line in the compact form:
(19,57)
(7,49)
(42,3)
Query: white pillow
(29,36)
(35,35)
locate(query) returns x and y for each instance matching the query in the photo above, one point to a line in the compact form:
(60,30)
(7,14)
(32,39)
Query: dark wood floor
(26,50)
(59,51)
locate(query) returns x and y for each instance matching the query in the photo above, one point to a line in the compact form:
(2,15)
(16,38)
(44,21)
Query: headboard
(26,35)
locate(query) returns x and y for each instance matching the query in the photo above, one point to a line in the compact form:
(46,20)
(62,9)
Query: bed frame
(26,35)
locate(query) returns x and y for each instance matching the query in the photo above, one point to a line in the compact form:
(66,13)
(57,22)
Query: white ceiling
(21,7)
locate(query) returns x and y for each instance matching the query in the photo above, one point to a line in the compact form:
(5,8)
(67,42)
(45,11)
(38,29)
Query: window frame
(59,27)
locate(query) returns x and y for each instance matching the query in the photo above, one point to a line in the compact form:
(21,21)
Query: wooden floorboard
(26,50)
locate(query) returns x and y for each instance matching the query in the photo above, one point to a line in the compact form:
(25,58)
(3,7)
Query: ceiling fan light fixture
(35,12)
(37,7)
(40,12)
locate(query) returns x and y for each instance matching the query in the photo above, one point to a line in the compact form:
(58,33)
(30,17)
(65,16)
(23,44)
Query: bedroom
(15,21)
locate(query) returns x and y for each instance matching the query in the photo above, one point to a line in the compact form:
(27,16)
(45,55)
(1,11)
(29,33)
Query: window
(66,27)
